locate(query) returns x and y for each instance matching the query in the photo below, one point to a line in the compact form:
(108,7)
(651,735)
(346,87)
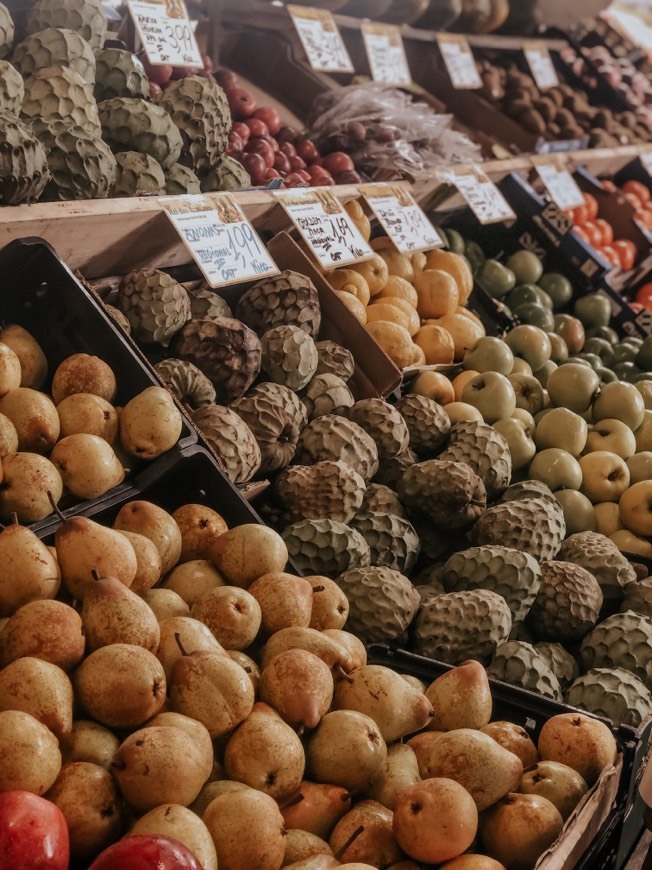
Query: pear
(91,742)
(300,845)
(285,600)
(514,738)
(519,828)
(357,652)
(468,862)
(560,784)
(415,682)
(299,686)
(375,844)
(346,749)
(247,829)
(30,484)
(148,561)
(199,526)
(174,820)
(248,665)
(47,630)
(232,614)
(247,552)
(29,571)
(159,765)
(399,771)
(87,465)
(30,759)
(10,373)
(82,373)
(183,632)
(154,523)
(319,809)
(320,862)
(33,363)
(330,606)
(420,744)
(35,417)
(121,685)
(193,579)
(86,795)
(8,436)
(112,613)
(485,769)
(86,414)
(383,695)
(212,790)
(41,689)
(84,546)
(583,743)
(150,424)
(209,687)
(196,732)
(165,603)
(329,651)
(265,754)
(461,698)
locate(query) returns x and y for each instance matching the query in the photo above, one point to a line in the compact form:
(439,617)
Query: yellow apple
(606,476)
(636,508)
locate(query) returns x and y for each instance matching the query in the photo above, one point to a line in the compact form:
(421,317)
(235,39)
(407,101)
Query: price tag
(459,61)
(165,31)
(221,240)
(486,201)
(559,183)
(402,219)
(325,226)
(321,40)
(541,65)
(386,54)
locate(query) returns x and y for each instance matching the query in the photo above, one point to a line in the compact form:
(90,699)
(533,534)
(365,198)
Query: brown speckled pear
(400,770)
(232,614)
(328,650)
(83,373)
(284,600)
(24,556)
(321,807)
(330,608)
(299,686)
(86,413)
(87,464)
(91,742)
(346,749)
(199,526)
(112,613)
(461,698)
(375,844)
(150,424)
(165,603)
(247,552)
(148,560)
(33,364)
(35,418)
(48,630)
(154,523)
(195,731)
(193,579)
(41,689)
(247,829)
(183,632)
(180,823)
(30,759)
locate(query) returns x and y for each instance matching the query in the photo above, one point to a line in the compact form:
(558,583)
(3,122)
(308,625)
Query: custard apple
(484,450)
(57,93)
(392,540)
(638,597)
(614,693)
(534,525)
(428,591)
(154,303)
(528,489)
(6,32)
(86,17)
(599,555)
(82,165)
(392,470)
(382,603)
(284,398)
(324,491)
(289,356)
(274,429)
(12,89)
(326,394)
(427,423)
(520,664)
(188,384)
(560,661)
(138,175)
(450,494)
(228,174)
(520,632)
(462,625)
(207,303)
(436,543)
(325,547)
(180,180)
(568,603)
(381,500)
(334,360)
(333,437)
(288,299)
(385,425)
(119,73)
(623,640)
(231,440)
(23,166)
(133,124)
(55,47)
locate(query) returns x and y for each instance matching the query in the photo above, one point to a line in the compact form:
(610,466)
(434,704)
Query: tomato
(627,251)
(592,205)
(580,215)
(270,117)
(638,189)
(611,255)
(606,229)
(257,127)
(634,201)
(610,186)
(636,307)
(337,161)
(644,296)
(581,232)
(594,233)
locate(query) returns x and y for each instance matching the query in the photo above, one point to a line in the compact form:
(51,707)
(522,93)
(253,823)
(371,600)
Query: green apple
(521,445)
(460,412)
(602,348)
(640,466)
(526,266)
(524,293)
(607,517)
(557,469)
(605,476)
(492,394)
(606,376)
(544,373)
(605,332)
(561,428)
(520,367)
(573,386)
(594,309)
(591,358)
(571,330)
(640,376)
(620,401)
(535,314)
(475,255)
(645,389)
(456,242)
(558,287)
(643,434)
(625,371)
(634,340)
(578,511)
(559,348)
(644,356)
(526,419)
(495,279)
(529,392)
(579,359)
(612,435)
(624,352)
(489,354)
(629,543)
(531,344)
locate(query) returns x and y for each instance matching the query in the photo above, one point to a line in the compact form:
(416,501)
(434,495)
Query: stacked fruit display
(599,233)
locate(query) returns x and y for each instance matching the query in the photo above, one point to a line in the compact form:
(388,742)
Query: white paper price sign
(459,61)
(325,226)
(321,40)
(559,183)
(485,200)
(402,219)
(386,53)
(541,65)
(165,31)
(221,240)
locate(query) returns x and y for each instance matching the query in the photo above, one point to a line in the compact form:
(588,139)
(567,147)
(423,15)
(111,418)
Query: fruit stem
(95,574)
(342,674)
(177,637)
(14,518)
(354,836)
(293,801)
(55,507)
(318,589)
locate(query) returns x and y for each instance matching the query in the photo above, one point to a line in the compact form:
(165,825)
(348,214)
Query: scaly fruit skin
(55,47)
(623,640)
(207,303)
(6,32)
(138,174)
(450,494)
(285,398)
(289,356)
(57,93)
(188,384)
(23,166)
(334,360)
(379,499)
(325,547)
(327,394)
(273,428)
(231,440)
(154,303)
(568,603)
(392,470)
(86,17)
(533,525)
(560,662)
(483,449)
(382,603)
(392,540)
(614,693)
(332,438)
(228,174)
(133,124)
(329,490)
(638,597)
(521,665)
(427,422)
(383,423)
(180,180)
(119,73)
(12,90)
(288,299)
(599,555)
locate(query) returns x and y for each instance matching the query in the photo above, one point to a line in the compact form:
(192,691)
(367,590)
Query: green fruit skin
(605,332)
(593,310)
(475,255)
(558,287)
(495,279)
(602,348)
(535,315)
(607,376)
(526,266)
(624,352)
(644,356)
(455,241)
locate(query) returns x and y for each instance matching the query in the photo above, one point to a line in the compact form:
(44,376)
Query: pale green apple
(545,371)
(526,419)
(521,445)
(645,389)
(559,348)
(620,401)
(640,466)
(460,412)
(520,367)
(531,344)
(629,543)
(571,330)
(492,394)
(539,417)
(578,511)
(573,386)
(557,469)
(529,392)
(607,517)
(561,428)
(594,309)
(612,435)
(605,476)
(489,354)
(643,434)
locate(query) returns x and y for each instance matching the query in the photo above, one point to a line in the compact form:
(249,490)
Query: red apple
(259,146)
(288,149)
(317,171)
(160,75)
(33,833)
(254,164)
(349,177)
(293,179)
(271,173)
(241,103)
(257,127)
(281,163)
(272,141)
(145,852)
(270,117)
(296,163)
(207,60)
(155,91)
(303,173)
(183,72)
(226,78)
(235,145)
(286,134)
(338,161)
(242,130)
(323,181)
(307,150)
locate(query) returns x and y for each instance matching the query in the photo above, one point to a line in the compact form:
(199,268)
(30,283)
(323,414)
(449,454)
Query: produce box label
(219,237)
(401,218)
(485,200)
(321,40)
(325,226)
(165,31)
(541,65)
(386,53)
(559,182)
(459,61)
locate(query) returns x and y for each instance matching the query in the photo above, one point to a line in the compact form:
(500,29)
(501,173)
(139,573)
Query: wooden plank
(637,860)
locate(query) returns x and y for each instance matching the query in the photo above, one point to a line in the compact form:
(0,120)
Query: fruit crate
(603,831)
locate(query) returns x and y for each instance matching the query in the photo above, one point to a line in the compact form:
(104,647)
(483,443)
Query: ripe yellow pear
(320,808)
(284,600)
(183,632)
(148,560)
(48,630)
(199,526)
(583,743)
(174,820)
(247,829)
(519,828)
(91,742)
(35,417)
(247,552)
(30,759)
(150,424)
(84,413)
(346,749)
(112,613)
(154,523)
(375,844)
(400,770)
(83,373)
(299,686)
(33,363)
(30,484)
(461,698)
(40,689)
(232,614)
(87,464)
(29,570)
(192,579)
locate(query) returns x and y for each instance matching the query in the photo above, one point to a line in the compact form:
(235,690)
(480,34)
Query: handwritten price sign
(219,237)
(325,226)
(485,200)
(165,31)
(386,54)
(402,219)
(321,40)
(541,65)
(559,183)
(459,61)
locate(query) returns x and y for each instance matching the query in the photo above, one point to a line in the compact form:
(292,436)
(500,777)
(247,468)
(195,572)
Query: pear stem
(342,674)
(177,637)
(354,836)
(118,765)
(14,518)
(95,574)
(293,801)
(55,507)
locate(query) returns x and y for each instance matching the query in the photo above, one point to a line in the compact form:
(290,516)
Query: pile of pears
(72,442)
(168,677)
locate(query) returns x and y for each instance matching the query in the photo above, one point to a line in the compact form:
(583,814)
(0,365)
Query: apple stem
(354,836)
(55,507)
(177,637)
(293,801)
(342,674)
(96,574)
(14,518)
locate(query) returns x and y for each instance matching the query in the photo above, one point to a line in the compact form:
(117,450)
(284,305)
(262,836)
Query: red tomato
(638,189)
(581,232)
(580,215)
(634,201)
(594,233)
(592,205)
(611,255)
(626,250)
(610,186)
(337,161)
(606,229)
(644,296)
(636,307)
